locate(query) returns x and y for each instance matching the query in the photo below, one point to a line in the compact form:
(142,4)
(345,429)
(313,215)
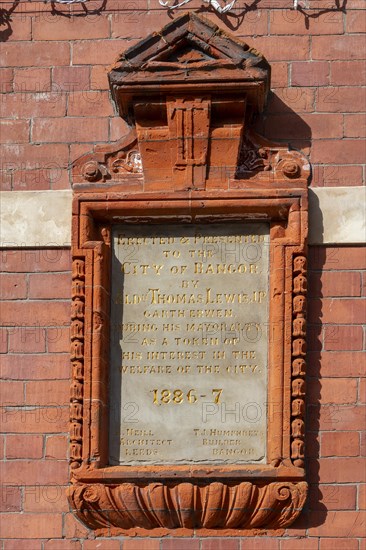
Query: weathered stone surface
(189,344)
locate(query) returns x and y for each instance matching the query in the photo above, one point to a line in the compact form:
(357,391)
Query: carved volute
(188,94)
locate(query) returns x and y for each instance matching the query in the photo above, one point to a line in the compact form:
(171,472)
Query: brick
(14,131)
(141,544)
(71,79)
(345,524)
(62,181)
(355,22)
(34,261)
(24,446)
(337,283)
(337,257)
(50,286)
(288,48)
(99,77)
(71,28)
(12,393)
(279,74)
(5,180)
(300,100)
(32,80)
(6,80)
(35,180)
(58,339)
(35,367)
(220,544)
(45,498)
(310,73)
(77,150)
(48,393)
(291,22)
(62,544)
(22,544)
(315,337)
(35,313)
(118,128)
(180,544)
(12,287)
(68,130)
(348,151)
(340,444)
(56,447)
(343,338)
(338,47)
(363,443)
(35,472)
(362,390)
(333,497)
(138,22)
(33,104)
(3,340)
(89,103)
(10,498)
(342,175)
(286,126)
(337,417)
(40,420)
(259,543)
(24,339)
(339,470)
(339,99)
(30,156)
(102,544)
(299,544)
(102,52)
(361,500)
(36,54)
(20,29)
(316,126)
(338,544)
(73,528)
(350,311)
(346,72)
(31,526)
(355,125)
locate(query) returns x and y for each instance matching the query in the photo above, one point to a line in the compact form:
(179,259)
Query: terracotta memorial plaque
(189,285)
(189,317)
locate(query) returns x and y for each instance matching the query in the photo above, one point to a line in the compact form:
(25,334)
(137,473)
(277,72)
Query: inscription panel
(189,318)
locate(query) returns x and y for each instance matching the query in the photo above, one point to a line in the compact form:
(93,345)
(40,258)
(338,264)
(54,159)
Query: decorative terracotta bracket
(189,93)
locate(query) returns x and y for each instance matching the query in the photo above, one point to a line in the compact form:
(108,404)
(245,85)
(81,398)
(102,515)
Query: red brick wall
(57,102)
(35,391)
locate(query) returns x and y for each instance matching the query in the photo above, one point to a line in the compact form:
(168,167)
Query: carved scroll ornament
(188,94)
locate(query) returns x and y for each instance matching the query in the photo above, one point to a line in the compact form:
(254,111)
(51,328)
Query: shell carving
(188,505)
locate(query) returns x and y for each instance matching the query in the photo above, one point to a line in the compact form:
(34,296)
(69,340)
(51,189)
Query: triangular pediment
(188,54)
(188,40)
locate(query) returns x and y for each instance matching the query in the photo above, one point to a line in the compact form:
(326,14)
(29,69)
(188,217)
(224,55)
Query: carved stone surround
(189,93)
